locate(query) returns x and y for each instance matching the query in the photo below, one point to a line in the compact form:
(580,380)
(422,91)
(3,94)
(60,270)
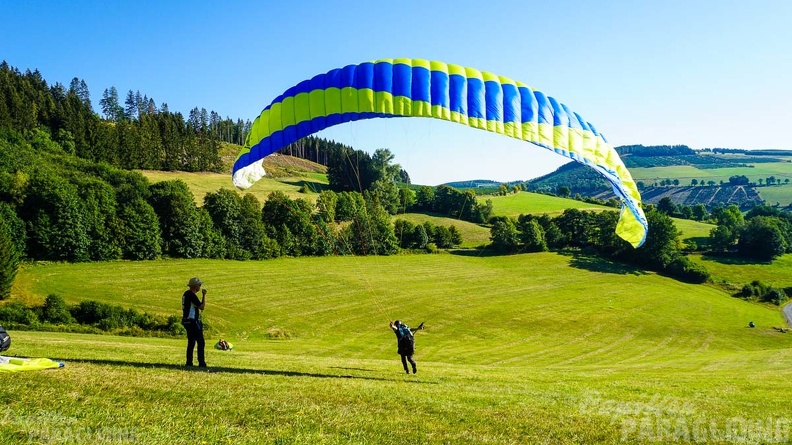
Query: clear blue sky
(701,73)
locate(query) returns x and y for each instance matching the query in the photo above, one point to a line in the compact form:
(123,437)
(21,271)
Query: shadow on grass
(315,187)
(480,252)
(352,369)
(225,369)
(702,242)
(726,258)
(594,263)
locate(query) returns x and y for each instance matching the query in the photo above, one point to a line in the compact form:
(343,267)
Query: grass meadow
(531,348)
(473,235)
(286,174)
(202,183)
(536,203)
(686,173)
(740,271)
(777,194)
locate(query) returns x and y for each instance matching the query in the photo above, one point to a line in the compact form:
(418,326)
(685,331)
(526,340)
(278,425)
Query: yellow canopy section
(13,364)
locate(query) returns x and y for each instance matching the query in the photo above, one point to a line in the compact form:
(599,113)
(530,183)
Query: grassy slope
(473,235)
(519,349)
(203,183)
(509,297)
(290,174)
(696,230)
(526,202)
(773,195)
(738,271)
(685,173)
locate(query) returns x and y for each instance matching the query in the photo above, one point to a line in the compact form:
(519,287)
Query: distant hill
(654,150)
(649,166)
(474,183)
(745,197)
(672,171)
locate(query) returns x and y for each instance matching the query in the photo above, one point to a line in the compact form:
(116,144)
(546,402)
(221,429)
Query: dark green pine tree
(9,260)
(109,104)
(131,106)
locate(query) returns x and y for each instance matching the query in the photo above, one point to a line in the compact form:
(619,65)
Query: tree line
(766,152)
(596,232)
(347,169)
(136,133)
(763,234)
(654,150)
(55,206)
(88,316)
(139,135)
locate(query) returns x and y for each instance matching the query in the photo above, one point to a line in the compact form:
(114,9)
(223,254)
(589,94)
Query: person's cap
(195,281)
(397,322)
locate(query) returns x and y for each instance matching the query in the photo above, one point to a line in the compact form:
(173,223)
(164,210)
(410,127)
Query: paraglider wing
(422,88)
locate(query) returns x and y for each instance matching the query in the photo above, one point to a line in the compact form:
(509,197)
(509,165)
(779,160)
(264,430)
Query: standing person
(191,319)
(406,342)
(5,340)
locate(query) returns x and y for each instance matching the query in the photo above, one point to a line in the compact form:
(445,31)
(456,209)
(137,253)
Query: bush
(55,311)
(90,312)
(15,312)
(775,296)
(760,291)
(685,270)
(175,327)
(689,246)
(113,317)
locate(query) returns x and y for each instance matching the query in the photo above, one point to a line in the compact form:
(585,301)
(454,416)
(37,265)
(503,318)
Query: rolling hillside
(535,348)
(712,169)
(535,203)
(284,173)
(513,306)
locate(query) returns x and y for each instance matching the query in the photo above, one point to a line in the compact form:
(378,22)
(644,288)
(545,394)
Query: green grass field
(535,203)
(773,195)
(533,348)
(694,230)
(473,235)
(686,173)
(739,271)
(202,183)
